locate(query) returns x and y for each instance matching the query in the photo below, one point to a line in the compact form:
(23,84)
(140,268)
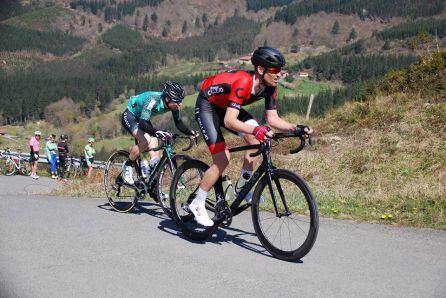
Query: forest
(364,8)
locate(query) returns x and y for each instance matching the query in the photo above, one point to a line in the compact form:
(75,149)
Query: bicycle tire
(179,197)
(304,209)
(25,168)
(10,167)
(113,186)
(164,181)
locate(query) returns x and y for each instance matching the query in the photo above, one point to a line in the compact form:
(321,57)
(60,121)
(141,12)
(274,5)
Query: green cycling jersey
(145,105)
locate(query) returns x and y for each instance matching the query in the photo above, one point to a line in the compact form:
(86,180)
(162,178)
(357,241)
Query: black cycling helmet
(63,137)
(174,91)
(268,57)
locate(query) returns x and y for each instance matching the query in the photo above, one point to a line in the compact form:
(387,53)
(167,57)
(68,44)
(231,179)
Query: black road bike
(123,197)
(284,211)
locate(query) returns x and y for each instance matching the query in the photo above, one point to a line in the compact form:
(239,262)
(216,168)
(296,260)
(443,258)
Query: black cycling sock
(129,162)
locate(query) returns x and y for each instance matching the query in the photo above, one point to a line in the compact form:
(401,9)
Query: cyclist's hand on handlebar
(194,134)
(163,135)
(303,131)
(261,133)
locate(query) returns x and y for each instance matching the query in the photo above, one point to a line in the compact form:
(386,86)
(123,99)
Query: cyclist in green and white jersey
(136,120)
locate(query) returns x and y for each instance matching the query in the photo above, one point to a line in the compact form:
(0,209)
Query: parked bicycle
(72,167)
(283,209)
(123,197)
(12,164)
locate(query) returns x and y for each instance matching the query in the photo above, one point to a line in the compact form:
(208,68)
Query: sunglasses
(274,70)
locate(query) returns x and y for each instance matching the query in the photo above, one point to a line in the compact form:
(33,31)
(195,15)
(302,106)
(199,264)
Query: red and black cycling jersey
(234,89)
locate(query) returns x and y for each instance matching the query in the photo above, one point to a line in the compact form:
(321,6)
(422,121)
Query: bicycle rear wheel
(286,235)
(10,167)
(165,178)
(121,197)
(186,181)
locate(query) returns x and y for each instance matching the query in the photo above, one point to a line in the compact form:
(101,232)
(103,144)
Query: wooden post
(309,106)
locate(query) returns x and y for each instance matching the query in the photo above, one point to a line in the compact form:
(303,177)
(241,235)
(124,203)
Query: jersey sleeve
(271,100)
(240,91)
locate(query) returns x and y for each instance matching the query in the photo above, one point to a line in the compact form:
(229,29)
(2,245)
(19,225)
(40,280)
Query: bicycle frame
(265,168)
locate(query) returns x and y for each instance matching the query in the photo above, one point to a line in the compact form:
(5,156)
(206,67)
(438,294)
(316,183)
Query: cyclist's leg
(248,161)
(209,119)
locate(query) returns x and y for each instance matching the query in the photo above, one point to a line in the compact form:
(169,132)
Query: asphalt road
(73,247)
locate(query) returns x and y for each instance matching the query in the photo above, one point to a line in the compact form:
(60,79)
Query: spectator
(34,143)
(62,147)
(51,155)
(89,153)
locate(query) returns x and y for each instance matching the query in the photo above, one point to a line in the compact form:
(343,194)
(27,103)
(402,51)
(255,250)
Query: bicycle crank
(223,213)
(140,189)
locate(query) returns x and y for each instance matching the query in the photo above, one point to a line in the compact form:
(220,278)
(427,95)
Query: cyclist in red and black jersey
(220,103)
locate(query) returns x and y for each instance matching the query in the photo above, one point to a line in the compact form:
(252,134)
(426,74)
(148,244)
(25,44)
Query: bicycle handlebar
(176,136)
(279,136)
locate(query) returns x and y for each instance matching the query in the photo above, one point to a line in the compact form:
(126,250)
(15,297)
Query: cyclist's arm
(240,90)
(145,126)
(274,121)
(231,122)
(180,124)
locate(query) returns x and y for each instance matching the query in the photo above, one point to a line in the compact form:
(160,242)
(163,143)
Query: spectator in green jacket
(51,154)
(89,155)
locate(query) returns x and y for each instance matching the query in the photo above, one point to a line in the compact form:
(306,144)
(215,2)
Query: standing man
(89,155)
(34,143)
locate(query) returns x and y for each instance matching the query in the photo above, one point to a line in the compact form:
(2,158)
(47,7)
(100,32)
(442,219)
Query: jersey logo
(234,105)
(215,90)
(151,104)
(134,105)
(237,93)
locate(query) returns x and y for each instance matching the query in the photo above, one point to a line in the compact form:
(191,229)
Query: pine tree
(386,46)
(335,29)
(204,19)
(184,28)
(100,27)
(145,23)
(352,35)
(154,17)
(197,22)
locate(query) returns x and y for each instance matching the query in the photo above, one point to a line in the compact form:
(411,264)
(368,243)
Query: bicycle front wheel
(121,197)
(165,178)
(285,215)
(185,183)
(10,167)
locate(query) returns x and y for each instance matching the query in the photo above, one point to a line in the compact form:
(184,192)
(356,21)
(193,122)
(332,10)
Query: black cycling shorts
(210,119)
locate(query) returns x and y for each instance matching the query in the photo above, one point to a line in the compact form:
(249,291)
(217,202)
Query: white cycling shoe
(200,213)
(127,174)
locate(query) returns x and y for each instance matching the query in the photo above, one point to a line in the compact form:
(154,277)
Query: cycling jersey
(142,107)
(148,104)
(235,88)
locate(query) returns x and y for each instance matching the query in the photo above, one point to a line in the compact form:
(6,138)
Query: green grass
(189,68)
(40,19)
(121,143)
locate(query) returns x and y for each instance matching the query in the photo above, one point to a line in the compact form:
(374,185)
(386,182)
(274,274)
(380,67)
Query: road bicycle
(12,164)
(283,209)
(71,168)
(123,197)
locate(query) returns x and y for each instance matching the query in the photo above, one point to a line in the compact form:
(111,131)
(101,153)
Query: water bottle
(241,182)
(228,189)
